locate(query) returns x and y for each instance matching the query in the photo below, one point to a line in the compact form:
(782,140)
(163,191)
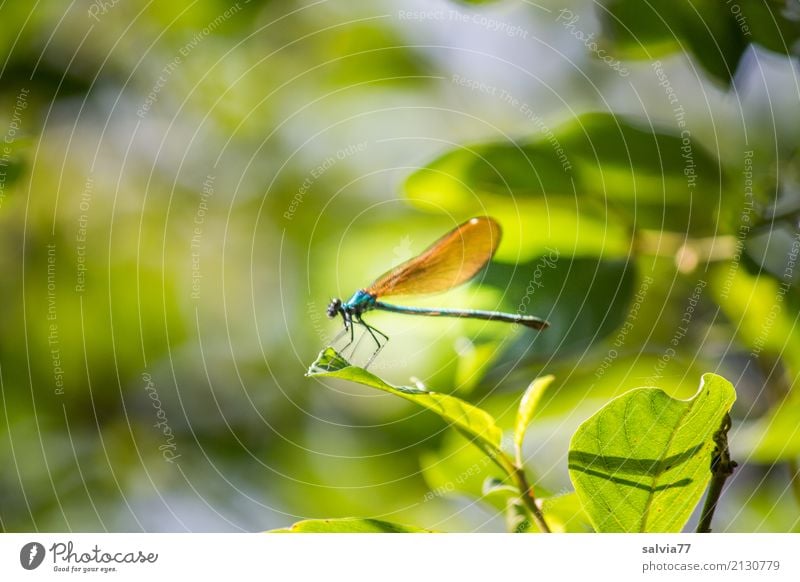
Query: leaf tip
(328,360)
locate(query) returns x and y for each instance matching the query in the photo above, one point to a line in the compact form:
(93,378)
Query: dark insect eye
(333,307)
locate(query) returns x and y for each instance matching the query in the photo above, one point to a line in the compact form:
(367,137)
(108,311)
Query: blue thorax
(359,302)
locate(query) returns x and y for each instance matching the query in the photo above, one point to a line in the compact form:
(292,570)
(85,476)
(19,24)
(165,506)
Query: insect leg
(380,333)
(372,331)
(339,335)
(358,343)
(348,327)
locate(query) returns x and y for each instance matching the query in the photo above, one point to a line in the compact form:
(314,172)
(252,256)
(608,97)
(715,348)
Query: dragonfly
(449,262)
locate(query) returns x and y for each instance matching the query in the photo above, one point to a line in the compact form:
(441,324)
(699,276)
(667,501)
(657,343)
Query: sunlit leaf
(772,438)
(528,406)
(364,51)
(348,525)
(642,462)
(597,167)
(477,424)
(580,227)
(764,311)
(493,486)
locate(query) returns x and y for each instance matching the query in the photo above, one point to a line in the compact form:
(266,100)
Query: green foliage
(454,468)
(528,406)
(716,33)
(9,173)
(128,111)
(774,437)
(565,513)
(642,462)
(621,200)
(763,309)
(348,525)
(477,424)
(597,165)
(543,286)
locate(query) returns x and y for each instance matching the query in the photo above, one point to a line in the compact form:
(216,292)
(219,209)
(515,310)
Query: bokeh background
(184,186)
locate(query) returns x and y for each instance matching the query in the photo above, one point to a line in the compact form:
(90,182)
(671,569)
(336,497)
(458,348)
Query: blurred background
(184,186)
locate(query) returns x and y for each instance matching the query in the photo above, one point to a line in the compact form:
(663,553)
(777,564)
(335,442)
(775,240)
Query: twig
(721,468)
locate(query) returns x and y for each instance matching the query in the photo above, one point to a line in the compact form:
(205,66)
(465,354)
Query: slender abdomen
(526,320)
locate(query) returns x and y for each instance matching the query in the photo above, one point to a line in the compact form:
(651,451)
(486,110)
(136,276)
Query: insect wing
(450,261)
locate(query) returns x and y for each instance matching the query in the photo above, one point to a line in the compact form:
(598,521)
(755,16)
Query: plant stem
(526,494)
(517,474)
(721,468)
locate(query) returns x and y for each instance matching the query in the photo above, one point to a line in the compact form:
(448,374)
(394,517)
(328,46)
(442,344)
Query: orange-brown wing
(450,261)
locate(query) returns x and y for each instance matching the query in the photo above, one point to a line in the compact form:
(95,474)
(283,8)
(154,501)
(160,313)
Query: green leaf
(762,310)
(774,24)
(598,171)
(527,407)
(360,52)
(476,424)
(715,32)
(518,518)
(348,525)
(642,462)
(547,287)
(702,27)
(577,226)
(493,486)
